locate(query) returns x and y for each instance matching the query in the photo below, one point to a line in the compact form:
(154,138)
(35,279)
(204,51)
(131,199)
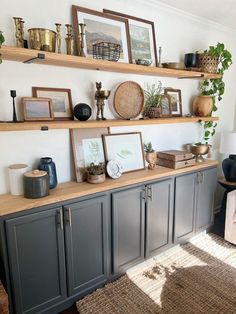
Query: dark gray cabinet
(159,213)
(184,215)
(194,201)
(205,199)
(37,260)
(86,241)
(127,228)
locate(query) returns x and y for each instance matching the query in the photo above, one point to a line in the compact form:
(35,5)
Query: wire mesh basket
(107,51)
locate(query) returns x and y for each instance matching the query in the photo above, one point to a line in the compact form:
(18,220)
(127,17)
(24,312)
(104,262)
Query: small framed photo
(142,37)
(126,148)
(61,101)
(87,147)
(37,109)
(101,27)
(165,104)
(175,101)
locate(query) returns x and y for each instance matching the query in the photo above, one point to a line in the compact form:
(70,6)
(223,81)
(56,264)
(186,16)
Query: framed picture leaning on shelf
(175,101)
(61,101)
(101,27)
(37,109)
(142,37)
(126,148)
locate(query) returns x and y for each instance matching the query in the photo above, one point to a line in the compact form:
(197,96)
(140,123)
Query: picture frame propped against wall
(175,101)
(37,109)
(142,37)
(101,27)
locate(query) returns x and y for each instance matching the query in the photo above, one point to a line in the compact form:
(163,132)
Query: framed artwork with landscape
(126,148)
(37,109)
(175,101)
(142,37)
(61,101)
(101,27)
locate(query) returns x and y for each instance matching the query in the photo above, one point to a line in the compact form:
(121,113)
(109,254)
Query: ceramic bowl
(145,62)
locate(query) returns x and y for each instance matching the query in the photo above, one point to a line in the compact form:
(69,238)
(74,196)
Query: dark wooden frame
(169,114)
(130,17)
(168,91)
(24,105)
(76,9)
(35,89)
(120,134)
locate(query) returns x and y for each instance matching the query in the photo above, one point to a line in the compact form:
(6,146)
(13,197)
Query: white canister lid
(17,166)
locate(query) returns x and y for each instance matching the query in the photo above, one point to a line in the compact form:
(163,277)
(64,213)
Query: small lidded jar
(36,184)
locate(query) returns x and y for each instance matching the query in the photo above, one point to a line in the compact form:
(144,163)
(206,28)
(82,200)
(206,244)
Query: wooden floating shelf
(56,59)
(91,124)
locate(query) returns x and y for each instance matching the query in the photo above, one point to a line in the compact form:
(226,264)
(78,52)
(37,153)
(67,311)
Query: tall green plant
(2,39)
(215,87)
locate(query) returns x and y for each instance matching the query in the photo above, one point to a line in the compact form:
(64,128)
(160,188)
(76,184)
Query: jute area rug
(198,277)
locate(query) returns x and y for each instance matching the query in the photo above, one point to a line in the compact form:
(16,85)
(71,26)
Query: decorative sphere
(82,112)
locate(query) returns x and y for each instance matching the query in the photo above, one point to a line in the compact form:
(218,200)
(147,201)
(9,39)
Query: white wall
(176,32)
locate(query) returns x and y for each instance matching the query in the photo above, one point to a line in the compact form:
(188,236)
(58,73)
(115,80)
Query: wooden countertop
(11,204)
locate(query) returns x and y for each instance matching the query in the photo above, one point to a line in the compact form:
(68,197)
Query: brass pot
(202,106)
(199,150)
(42,39)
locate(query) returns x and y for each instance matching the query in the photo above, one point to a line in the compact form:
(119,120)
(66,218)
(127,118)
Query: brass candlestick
(58,29)
(19,31)
(81,39)
(69,40)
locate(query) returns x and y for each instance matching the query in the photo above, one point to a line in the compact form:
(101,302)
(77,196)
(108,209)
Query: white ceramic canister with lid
(16,172)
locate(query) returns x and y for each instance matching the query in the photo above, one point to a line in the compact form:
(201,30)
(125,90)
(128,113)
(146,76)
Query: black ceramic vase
(49,166)
(229,168)
(82,112)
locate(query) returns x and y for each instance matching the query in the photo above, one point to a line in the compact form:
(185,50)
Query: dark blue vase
(49,166)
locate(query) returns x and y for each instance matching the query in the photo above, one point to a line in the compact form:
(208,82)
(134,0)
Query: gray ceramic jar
(36,184)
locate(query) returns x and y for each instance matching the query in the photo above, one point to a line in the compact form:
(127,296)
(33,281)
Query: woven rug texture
(198,277)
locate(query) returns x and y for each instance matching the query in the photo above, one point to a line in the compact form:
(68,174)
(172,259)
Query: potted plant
(96,173)
(150,155)
(212,89)
(2,39)
(153,95)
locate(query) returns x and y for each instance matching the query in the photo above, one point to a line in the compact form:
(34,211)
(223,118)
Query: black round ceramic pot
(82,112)
(191,60)
(229,168)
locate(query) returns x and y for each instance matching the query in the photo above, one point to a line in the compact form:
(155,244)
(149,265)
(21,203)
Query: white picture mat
(92,151)
(126,149)
(81,18)
(175,96)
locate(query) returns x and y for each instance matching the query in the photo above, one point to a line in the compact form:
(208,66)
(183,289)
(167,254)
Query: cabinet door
(184,207)
(128,228)
(86,231)
(159,216)
(206,186)
(37,260)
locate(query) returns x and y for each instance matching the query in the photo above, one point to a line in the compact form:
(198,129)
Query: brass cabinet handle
(149,193)
(144,196)
(68,215)
(60,219)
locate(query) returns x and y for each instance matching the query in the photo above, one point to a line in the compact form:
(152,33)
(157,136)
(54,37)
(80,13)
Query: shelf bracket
(44,128)
(189,77)
(40,56)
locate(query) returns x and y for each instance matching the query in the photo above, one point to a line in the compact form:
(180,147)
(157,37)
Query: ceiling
(222,12)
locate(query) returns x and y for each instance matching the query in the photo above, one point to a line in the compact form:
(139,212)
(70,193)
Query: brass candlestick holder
(69,40)
(58,30)
(101,96)
(19,31)
(81,39)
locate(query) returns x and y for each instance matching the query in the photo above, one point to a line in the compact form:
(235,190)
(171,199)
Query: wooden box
(175,155)
(175,164)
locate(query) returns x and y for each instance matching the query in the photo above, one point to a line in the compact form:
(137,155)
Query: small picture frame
(165,104)
(101,27)
(61,101)
(175,101)
(125,148)
(37,109)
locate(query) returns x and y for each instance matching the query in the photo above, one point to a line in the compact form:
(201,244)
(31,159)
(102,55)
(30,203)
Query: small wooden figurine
(101,96)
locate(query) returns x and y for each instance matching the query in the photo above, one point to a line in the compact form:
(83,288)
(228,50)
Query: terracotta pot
(93,178)
(202,106)
(151,158)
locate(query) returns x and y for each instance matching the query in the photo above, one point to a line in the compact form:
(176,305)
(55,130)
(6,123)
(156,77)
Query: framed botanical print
(125,148)
(101,27)
(142,37)
(61,101)
(175,101)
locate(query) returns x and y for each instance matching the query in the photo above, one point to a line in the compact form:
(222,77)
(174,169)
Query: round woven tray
(207,63)
(129,100)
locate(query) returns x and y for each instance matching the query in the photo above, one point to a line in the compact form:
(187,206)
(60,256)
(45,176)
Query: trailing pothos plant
(2,39)
(215,87)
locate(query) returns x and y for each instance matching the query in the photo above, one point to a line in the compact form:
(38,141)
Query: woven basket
(207,63)
(154,112)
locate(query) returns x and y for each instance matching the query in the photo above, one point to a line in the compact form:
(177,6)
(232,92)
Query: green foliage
(215,87)
(94,169)
(2,39)
(148,148)
(152,95)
